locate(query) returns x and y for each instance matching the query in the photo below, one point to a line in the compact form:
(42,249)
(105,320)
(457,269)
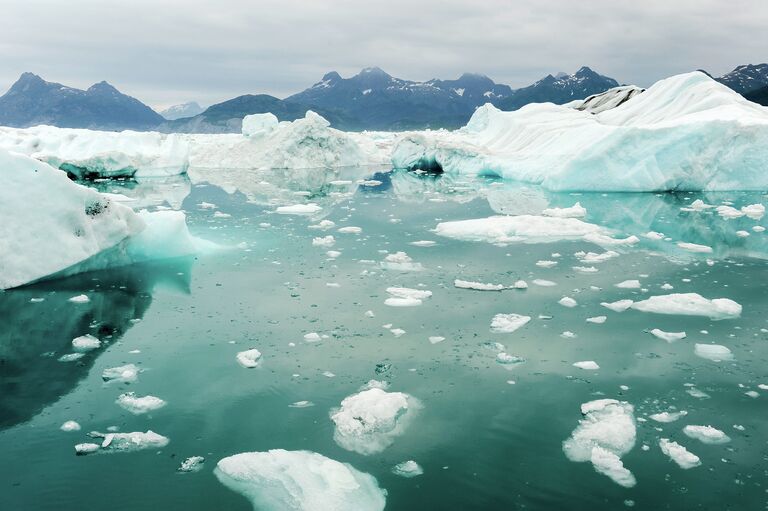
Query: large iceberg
(52,226)
(299,481)
(686,132)
(88,154)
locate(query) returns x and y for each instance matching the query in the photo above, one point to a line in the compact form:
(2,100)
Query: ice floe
(667,417)
(407,469)
(127,373)
(713,352)
(667,336)
(139,405)
(191,464)
(690,304)
(706,434)
(249,358)
(123,442)
(70,426)
(368,422)
(508,323)
(86,342)
(522,228)
(406,297)
(679,454)
(477,286)
(588,365)
(299,481)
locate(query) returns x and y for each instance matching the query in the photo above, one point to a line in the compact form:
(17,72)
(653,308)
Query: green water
(484,442)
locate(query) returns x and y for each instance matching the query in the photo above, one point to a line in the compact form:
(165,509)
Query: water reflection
(168,192)
(37,333)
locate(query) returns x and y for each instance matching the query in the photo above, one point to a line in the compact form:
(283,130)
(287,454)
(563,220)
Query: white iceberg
(605,434)
(690,304)
(521,228)
(407,469)
(128,442)
(477,286)
(687,132)
(706,434)
(667,336)
(249,358)
(406,297)
(508,323)
(679,454)
(368,422)
(713,352)
(299,481)
(139,405)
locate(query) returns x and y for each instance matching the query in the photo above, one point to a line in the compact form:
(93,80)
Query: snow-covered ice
(508,323)
(86,342)
(679,454)
(139,405)
(127,373)
(668,336)
(249,358)
(477,286)
(521,228)
(407,469)
(690,304)
(706,434)
(714,352)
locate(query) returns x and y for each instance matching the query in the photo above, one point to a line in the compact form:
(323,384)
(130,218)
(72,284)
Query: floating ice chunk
(333,254)
(71,357)
(423,243)
(593,258)
(598,320)
(679,454)
(139,405)
(257,125)
(219,214)
(667,417)
(546,264)
(693,247)
(368,422)
(86,448)
(191,464)
(301,404)
(606,241)
(609,464)
(522,228)
(618,306)
(698,394)
(312,337)
(79,299)
(477,286)
(568,335)
(690,304)
(350,230)
(758,228)
(400,261)
(544,283)
(507,359)
(605,434)
(397,332)
(407,469)
(754,211)
(249,358)
(324,241)
(586,269)
(742,234)
(129,442)
(126,373)
(299,209)
(698,205)
(86,343)
(629,284)
(575,211)
(729,212)
(588,365)
(567,301)
(434,339)
(406,297)
(508,323)
(70,426)
(520,284)
(706,434)
(713,352)
(668,336)
(299,481)
(666,286)
(323,225)
(653,235)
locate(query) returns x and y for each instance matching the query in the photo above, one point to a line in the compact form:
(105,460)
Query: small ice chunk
(129,442)
(299,209)
(729,212)
(400,261)
(312,337)
(567,301)
(690,304)
(407,469)
(126,373)
(667,417)
(653,235)
(598,320)
(629,284)
(588,365)
(70,426)
(706,434)
(693,247)
(249,358)
(324,241)
(520,284)
(575,211)
(322,225)
(618,306)
(139,405)
(679,454)
(79,299)
(423,243)
(477,286)
(301,404)
(85,342)
(350,229)
(191,464)
(609,464)
(86,448)
(507,359)
(546,264)
(508,323)
(71,357)
(333,254)
(714,352)
(754,211)
(668,336)
(544,283)
(406,297)
(434,339)
(368,422)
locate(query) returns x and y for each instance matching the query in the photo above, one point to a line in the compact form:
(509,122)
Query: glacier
(686,132)
(69,228)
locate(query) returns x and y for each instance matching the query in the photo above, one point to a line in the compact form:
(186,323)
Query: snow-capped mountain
(746,78)
(183,110)
(373,99)
(32,101)
(559,89)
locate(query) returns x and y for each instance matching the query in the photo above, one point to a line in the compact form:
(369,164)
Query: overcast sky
(171,51)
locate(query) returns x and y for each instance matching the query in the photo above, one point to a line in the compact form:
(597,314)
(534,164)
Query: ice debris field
(301,318)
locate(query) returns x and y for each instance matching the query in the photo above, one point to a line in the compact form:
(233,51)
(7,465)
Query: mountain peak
(585,71)
(102,87)
(332,76)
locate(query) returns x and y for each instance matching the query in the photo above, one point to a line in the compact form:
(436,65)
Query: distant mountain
(759,96)
(746,78)
(559,89)
(183,110)
(32,101)
(373,99)
(227,117)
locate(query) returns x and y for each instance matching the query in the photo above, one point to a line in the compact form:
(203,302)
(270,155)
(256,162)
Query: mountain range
(372,100)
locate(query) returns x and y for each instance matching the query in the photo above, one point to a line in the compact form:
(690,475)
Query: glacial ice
(299,481)
(368,422)
(686,132)
(70,228)
(605,434)
(713,352)
(679,454)
(139,405)
(406,297)
(690,304)
(127,442)
(706,434)
(667,336)
(407,469)
(521,228)
(127,373)
(508,323)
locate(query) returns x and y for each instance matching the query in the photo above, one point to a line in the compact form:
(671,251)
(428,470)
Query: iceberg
(89,154)
(687,132)
(521,228)
(690,304)
(69,228)
(679,454)
(299,481)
